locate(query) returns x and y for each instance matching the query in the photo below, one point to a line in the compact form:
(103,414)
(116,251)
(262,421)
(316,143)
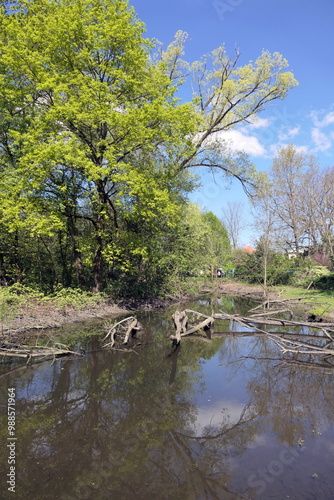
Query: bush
(13,297)
(324,282)
(75,298)
(280,270)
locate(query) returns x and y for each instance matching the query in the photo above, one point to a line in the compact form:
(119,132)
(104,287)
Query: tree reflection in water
(117,425)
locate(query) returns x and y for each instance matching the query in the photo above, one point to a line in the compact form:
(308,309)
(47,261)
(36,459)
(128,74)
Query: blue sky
(303,32)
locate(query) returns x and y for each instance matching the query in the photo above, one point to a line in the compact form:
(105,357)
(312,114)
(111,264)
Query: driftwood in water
(181,330)
(271,321)
(287,341)
(198,314)
(125,329)
(37,353)
(180,322)
(270,313)
(293,345)
(268,302)
(317,339)
(113,327)
(132,328)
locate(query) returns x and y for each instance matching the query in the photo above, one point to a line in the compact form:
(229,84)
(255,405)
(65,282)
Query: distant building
(303,252)
(249,250)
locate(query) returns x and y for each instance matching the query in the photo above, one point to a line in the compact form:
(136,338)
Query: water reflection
(207,421)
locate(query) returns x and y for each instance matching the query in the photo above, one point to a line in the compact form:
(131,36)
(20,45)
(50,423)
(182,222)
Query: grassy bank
(318,302)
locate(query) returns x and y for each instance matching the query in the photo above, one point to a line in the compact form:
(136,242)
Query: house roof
(249,249)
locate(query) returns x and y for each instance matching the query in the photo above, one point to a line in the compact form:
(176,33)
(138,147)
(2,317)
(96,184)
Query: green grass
(318,302)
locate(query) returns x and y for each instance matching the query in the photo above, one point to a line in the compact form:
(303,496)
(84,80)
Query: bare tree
(233,220)
(265,220)
(318,209)
(289,171)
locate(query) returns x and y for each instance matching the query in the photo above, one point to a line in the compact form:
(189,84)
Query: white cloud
(239,141)
(302,149)
(289,134)
(260,122)
(224,412)
(322,141)
(275,147)
(327,119)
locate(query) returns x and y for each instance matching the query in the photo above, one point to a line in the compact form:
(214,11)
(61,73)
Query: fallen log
(124,328)
(278,311)
(113,327)
(38,353)
(260,333)
(268,302)
(180,322)
(271,321)
(289,345)
(295,342)
(200,315)
(133,326)
(206,323)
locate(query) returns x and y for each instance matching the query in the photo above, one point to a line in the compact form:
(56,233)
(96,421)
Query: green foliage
(97,151)
(325,282)
(309,272)
(13,298)
(280,269)
(250,268)
(74,297)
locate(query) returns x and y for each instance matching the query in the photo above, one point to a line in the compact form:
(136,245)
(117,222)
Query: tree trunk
(97,272)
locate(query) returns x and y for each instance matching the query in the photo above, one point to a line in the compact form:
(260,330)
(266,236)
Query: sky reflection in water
(202,423)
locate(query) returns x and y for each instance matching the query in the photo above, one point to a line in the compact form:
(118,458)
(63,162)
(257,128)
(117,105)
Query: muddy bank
(35,318)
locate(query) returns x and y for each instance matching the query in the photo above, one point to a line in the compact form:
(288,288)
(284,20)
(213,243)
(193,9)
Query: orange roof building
(249,250)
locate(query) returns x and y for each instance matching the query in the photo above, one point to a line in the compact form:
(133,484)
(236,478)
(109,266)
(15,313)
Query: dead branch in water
(125,329)
(272,321)
(207,323)
(180,322)
(304,341)
(113,327)
(277,311)
(268,302)
(36,353)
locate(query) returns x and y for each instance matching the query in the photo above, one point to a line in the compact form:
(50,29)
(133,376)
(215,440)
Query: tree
(96,151)
(225,96)
(264,218)
(289,170)
(318,210)
(81,73)
(233,220)
(218,243)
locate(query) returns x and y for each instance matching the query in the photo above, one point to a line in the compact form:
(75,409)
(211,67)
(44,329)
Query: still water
(225,419)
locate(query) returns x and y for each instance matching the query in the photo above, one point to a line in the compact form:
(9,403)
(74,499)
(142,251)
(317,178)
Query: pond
(226,419)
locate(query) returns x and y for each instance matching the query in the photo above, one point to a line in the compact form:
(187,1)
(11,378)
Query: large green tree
(96,151)
(89,102)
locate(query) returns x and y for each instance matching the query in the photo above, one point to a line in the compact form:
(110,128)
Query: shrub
(324,282)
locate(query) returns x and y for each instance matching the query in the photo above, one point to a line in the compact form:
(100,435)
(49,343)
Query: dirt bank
(36,318)
(243,289)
